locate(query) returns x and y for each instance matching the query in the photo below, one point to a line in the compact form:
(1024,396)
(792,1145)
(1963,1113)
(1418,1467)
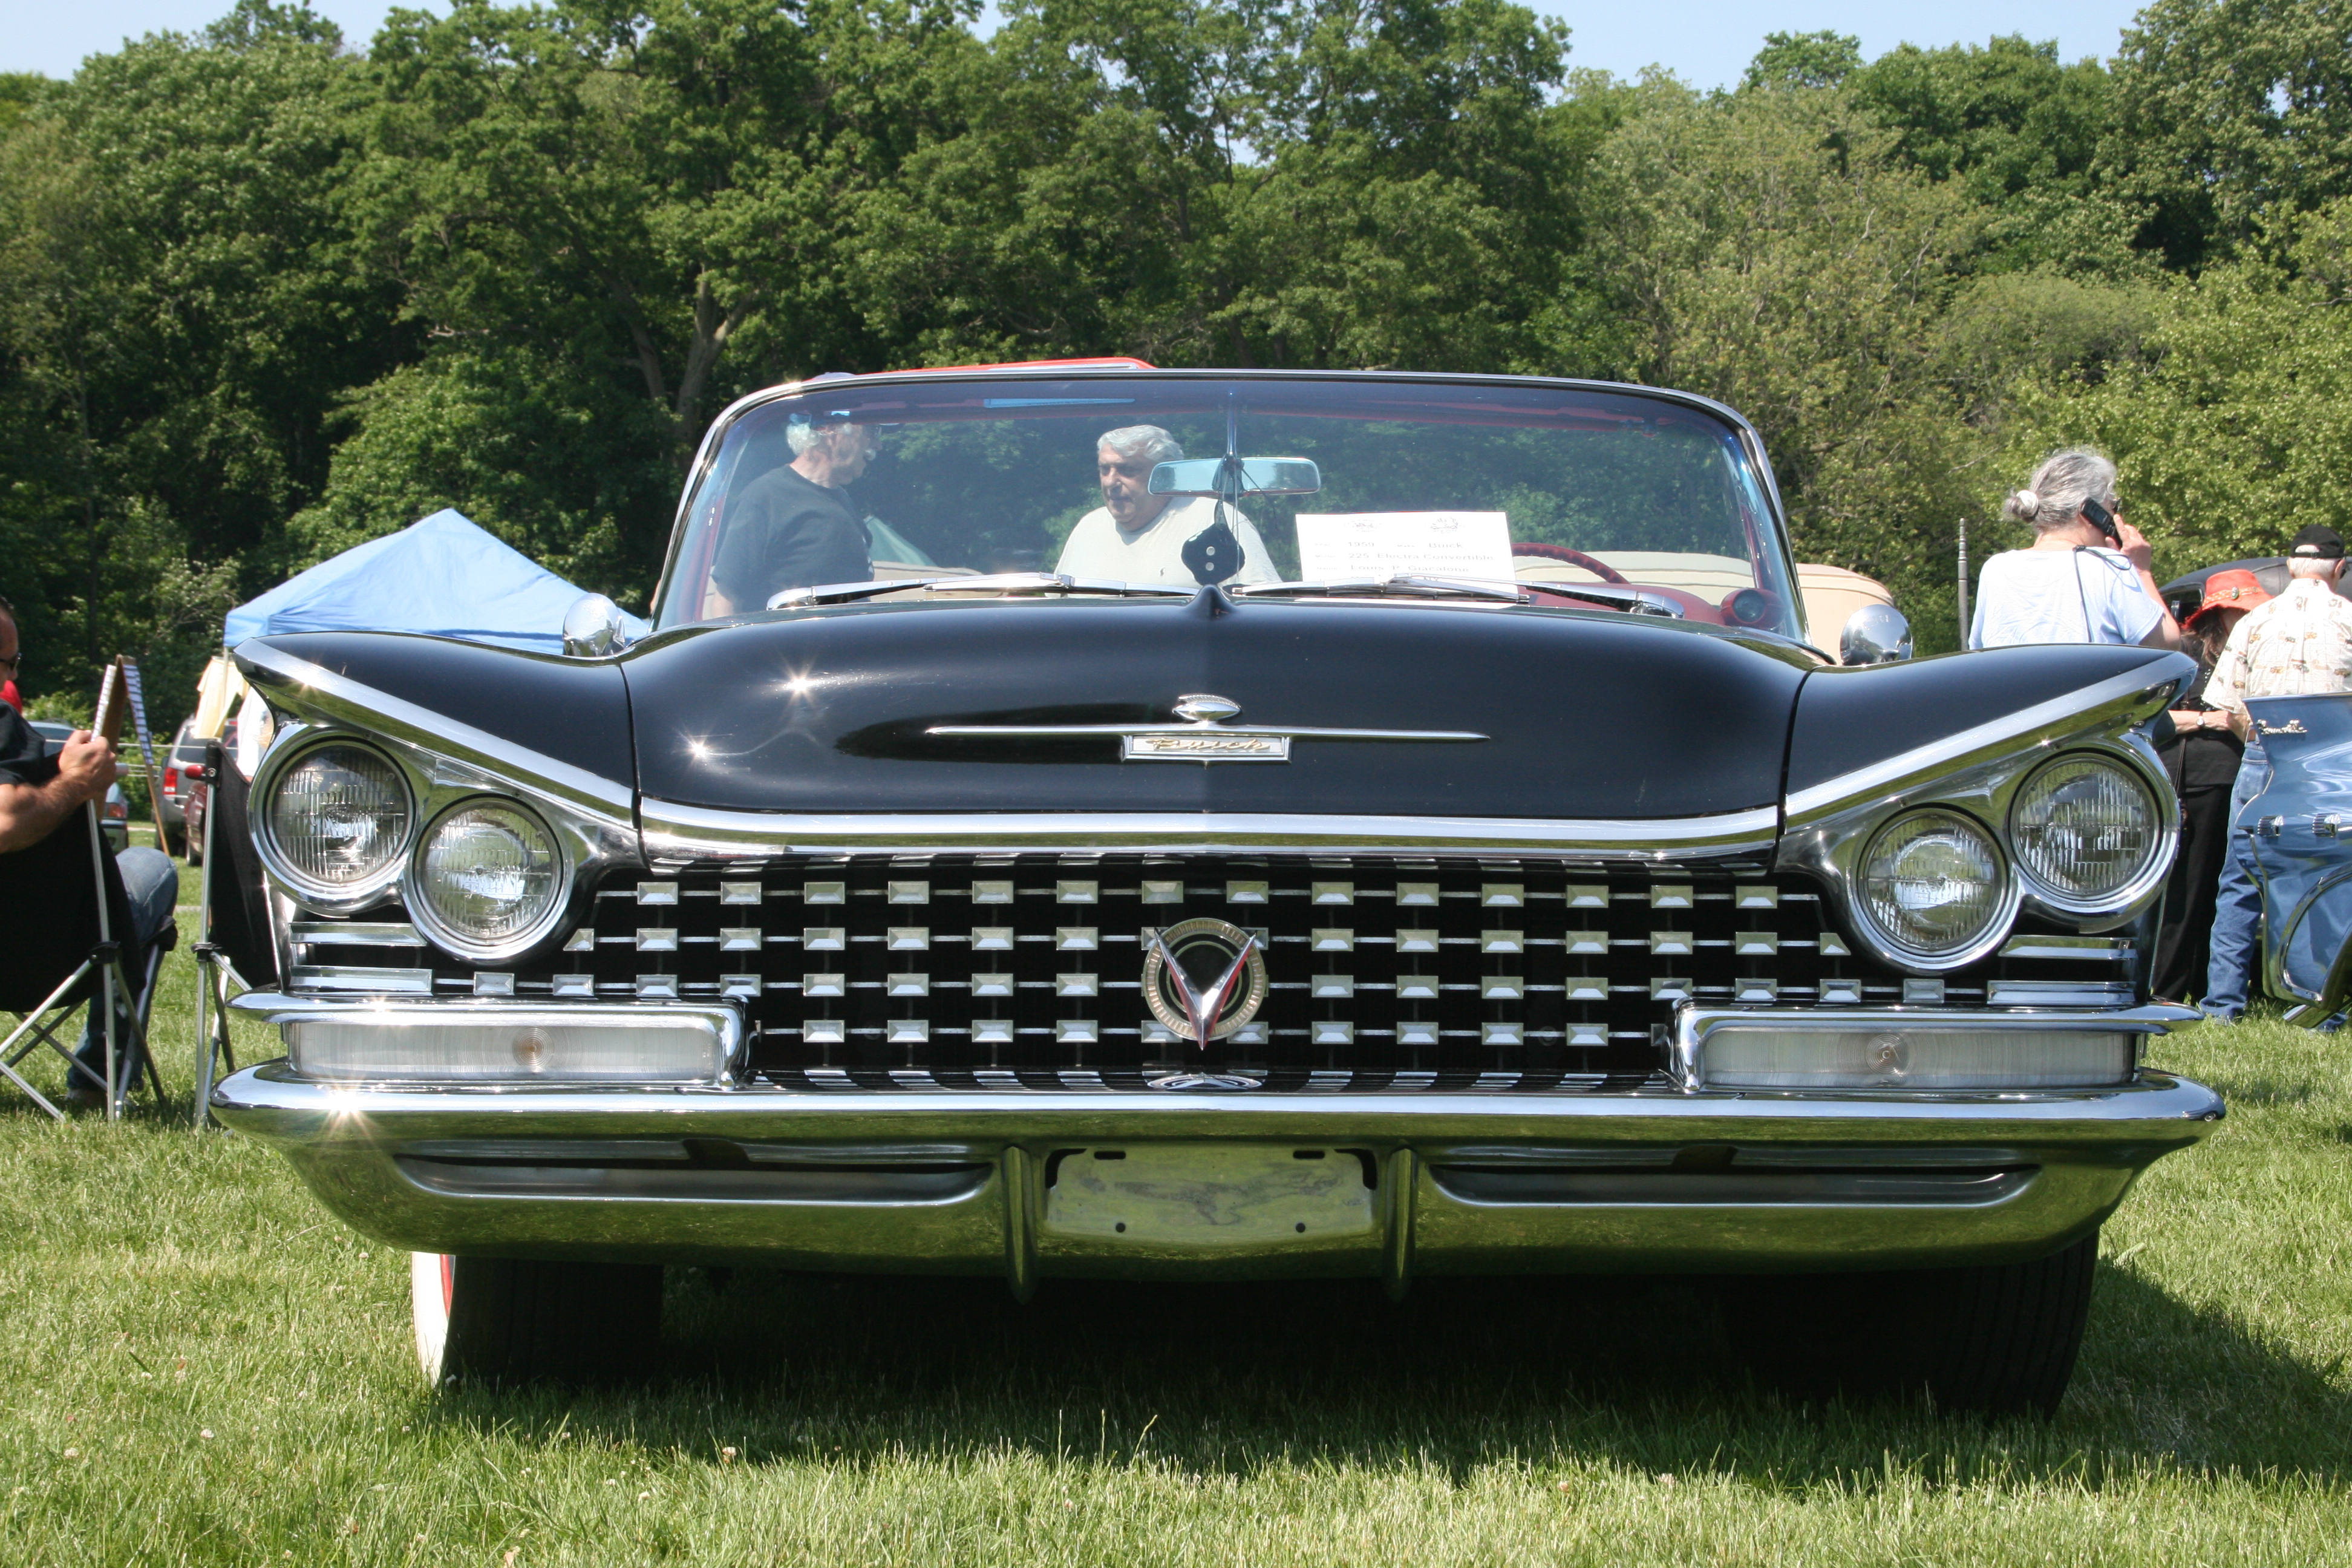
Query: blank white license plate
(1209,1194)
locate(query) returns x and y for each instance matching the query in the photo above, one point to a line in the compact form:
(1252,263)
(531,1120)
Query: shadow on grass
(1463,1376)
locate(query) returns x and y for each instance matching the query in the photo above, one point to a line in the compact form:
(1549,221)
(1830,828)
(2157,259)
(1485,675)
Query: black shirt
(2201,759)
(25,756)
(787,531)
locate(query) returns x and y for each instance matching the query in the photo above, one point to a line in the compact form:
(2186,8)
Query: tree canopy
(265,292)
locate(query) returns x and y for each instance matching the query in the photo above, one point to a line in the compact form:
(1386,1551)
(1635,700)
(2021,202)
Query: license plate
(1209,1195)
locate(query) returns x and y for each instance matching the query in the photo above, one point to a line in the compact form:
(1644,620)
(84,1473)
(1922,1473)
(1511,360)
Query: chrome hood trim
(678,833)
(2112,704)
(312,692)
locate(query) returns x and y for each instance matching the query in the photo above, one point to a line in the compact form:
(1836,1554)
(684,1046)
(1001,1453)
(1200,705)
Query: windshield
(1585,499)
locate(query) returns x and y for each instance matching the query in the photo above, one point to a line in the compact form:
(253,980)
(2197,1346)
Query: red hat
(2231,591)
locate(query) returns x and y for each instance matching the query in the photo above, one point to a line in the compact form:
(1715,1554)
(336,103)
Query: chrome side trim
(355,933)
(674,832)
(2116,949)
(361,978)
(2076,712)
(1288,732)
(1686,1049)
(312,690)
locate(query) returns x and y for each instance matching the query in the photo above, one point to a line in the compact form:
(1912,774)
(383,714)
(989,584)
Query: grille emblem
(1204,979)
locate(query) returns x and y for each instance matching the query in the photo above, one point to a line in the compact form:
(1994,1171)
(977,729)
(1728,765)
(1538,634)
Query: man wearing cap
(2297,645)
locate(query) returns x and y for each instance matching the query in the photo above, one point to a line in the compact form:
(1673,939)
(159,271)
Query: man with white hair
(1138,537)
(2297,645)
(795,527)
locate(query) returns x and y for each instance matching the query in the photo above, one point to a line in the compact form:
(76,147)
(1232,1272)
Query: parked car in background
(2302,855)
(172,800)
(114,811)
(1564,910)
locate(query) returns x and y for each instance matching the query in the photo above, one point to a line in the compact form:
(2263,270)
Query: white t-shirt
(2062,596)
(1097,547)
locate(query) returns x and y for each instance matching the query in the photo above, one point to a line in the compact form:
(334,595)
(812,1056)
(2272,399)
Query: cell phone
(2100,519)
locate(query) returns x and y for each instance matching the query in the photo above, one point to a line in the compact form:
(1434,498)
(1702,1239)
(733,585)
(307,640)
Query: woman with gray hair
(2085,578)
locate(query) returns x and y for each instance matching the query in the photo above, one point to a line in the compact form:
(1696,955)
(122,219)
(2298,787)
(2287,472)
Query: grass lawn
(202,1366)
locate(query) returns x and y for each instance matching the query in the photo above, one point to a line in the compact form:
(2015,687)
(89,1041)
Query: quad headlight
(1934,888)
(2087,833)
(336,820)
(487,878)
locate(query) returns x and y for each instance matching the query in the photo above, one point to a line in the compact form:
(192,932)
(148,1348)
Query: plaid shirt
(2297,645)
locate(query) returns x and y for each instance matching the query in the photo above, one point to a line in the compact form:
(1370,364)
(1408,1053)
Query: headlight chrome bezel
(429,921)
(323,896)
(2007,893)
(1830,839)
(589,841)
(2151,876)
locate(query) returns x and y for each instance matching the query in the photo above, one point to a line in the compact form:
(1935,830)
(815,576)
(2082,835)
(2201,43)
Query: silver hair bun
(2024,506)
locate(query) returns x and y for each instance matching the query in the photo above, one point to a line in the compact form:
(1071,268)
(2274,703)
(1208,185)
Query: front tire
(515,1320)
(1999,1338)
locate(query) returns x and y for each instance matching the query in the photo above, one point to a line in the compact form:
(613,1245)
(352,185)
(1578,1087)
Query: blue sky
(1706,42)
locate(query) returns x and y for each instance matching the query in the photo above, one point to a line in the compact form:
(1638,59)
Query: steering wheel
(1600,569)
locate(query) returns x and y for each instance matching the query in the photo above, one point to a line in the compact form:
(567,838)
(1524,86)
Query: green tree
(2023,132)
(2231,115)
(178,313)
(1804,59)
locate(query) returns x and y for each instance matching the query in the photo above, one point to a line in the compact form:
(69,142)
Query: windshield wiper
(1388,588)
(999,582)
(1632,600)
(1055,582)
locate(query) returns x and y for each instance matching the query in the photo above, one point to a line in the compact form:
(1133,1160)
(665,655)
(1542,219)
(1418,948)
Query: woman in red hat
(2202,757)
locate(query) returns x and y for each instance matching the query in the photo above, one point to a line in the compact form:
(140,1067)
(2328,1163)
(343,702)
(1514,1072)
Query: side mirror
(593,628)
(1875,634)
(1259,476)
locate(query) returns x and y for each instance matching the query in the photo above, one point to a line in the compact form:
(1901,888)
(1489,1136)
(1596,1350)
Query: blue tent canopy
(442,576)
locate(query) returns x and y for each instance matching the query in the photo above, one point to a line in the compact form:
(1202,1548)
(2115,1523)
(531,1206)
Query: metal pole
(207,970)
(107,970)
(1964,582)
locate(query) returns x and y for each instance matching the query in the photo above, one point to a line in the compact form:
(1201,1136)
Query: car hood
(1584,715)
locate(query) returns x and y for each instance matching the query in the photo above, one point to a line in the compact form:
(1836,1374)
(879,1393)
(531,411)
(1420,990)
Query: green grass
(202,1366)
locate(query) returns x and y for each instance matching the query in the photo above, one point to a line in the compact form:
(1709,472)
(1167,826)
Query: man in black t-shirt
(37,791)
(41,792)
(795,527)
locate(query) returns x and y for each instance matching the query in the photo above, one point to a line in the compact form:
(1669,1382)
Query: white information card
(1340,545)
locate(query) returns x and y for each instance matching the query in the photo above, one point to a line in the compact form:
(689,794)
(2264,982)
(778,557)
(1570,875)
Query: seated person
(795,527)
(41,794)
(1138,537)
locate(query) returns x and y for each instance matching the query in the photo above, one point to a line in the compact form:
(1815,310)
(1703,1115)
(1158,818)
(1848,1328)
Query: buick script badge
(1204,979)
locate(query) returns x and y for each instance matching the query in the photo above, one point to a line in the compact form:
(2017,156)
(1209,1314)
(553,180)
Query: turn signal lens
(1915,1058)
(488,873)
(1932,883)
(657,1045)
(2086,829)
(338,816)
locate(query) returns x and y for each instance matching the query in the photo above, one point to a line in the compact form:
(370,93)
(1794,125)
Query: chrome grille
(976,971)
(972,971)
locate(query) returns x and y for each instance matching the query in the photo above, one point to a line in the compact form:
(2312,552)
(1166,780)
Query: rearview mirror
(1259,476)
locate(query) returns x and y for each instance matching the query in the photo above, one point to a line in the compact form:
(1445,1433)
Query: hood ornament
(1204,979)
(1207,734)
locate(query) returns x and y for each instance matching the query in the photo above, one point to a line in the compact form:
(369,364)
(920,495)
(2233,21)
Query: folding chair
(65,927)
(233,921)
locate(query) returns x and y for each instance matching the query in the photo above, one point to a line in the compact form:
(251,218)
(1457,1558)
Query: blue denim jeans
(153,884)
(2238,907)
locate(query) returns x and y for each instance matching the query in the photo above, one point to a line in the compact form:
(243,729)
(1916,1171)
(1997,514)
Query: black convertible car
(1086,820)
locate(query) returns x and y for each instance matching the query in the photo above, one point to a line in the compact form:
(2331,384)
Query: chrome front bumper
(953,1182)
